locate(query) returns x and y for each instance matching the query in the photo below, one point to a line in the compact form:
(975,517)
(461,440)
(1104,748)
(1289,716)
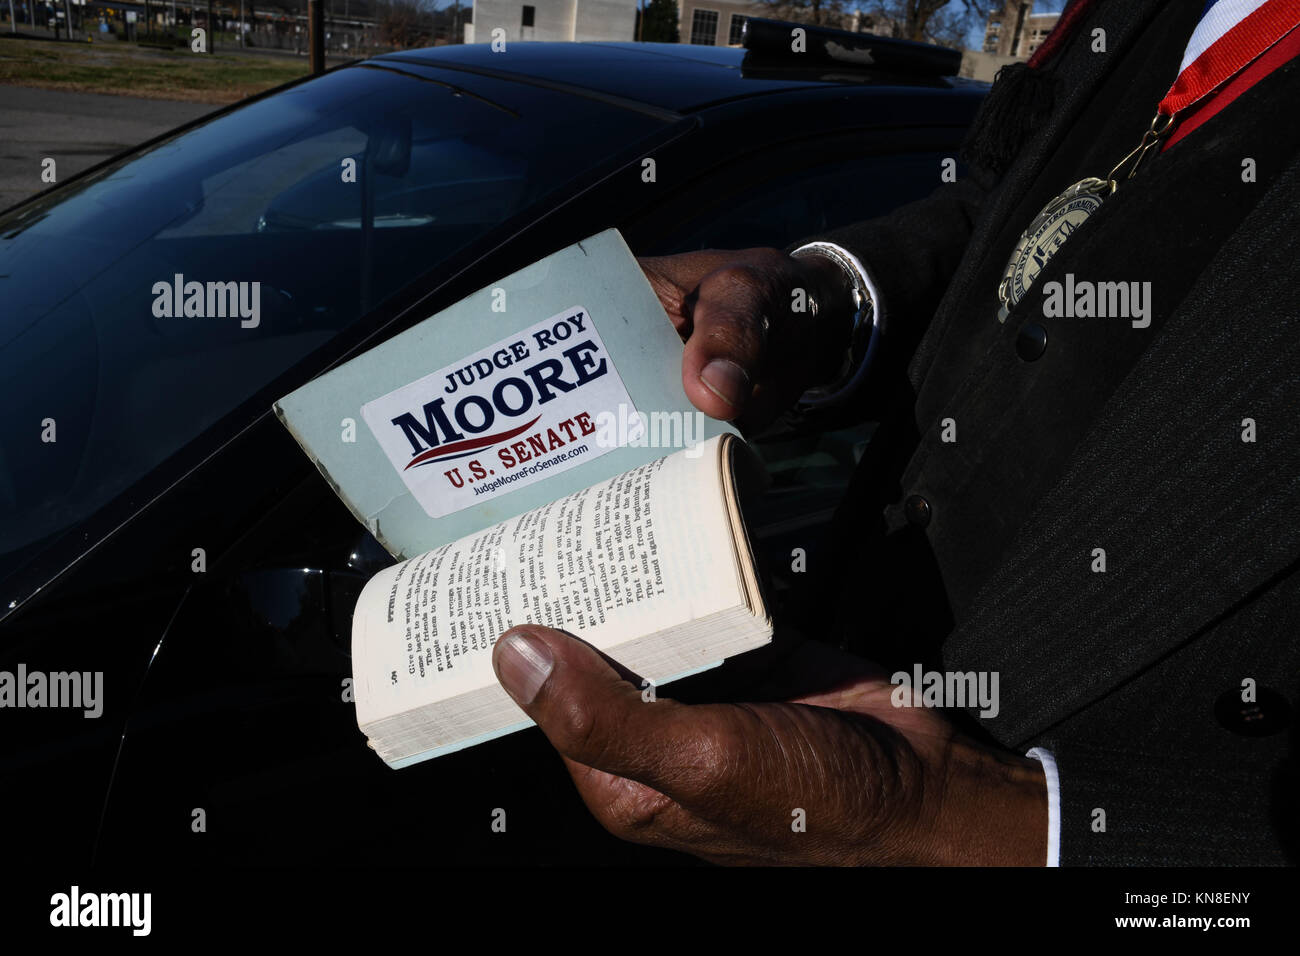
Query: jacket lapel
(1079,72)
(1193,519)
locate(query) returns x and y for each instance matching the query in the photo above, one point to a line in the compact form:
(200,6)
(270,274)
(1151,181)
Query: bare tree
(829,13)
(932,21)
(405,24)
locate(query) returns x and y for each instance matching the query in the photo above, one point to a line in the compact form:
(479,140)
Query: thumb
(595,717)
(724,353)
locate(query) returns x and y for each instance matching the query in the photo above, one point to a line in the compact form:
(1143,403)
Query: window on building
(529,13)
(704,28)
(737,24)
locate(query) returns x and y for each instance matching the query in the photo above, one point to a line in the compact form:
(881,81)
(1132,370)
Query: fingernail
(727,380)
(523,664)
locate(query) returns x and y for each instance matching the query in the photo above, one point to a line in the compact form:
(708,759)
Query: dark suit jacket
(1124,439)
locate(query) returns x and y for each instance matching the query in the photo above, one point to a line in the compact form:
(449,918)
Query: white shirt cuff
(1053,803)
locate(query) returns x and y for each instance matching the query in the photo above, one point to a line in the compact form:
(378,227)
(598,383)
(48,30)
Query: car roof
(672,76)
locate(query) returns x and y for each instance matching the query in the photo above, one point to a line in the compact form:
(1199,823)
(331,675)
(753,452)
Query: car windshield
(145,302)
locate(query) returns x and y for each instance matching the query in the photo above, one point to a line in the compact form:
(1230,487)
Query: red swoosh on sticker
(469,444)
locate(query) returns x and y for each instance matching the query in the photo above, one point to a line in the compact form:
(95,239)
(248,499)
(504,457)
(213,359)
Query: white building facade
(552,20)
(718,22)
(711,22)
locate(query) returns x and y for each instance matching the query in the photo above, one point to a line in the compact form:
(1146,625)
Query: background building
(1011,35)
(718,22)
(713,22)
(1016,31)
(553,20)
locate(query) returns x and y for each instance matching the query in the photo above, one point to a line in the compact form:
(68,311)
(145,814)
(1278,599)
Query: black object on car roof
(774,44)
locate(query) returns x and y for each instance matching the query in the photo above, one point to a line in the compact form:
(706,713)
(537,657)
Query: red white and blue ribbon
(1230,36)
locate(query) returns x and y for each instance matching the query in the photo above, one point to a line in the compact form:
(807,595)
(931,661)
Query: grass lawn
(108,66)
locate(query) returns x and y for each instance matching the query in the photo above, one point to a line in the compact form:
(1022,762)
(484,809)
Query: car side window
(808,200)
(810,464)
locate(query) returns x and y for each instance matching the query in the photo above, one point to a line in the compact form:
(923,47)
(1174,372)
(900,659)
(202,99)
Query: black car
(158,525)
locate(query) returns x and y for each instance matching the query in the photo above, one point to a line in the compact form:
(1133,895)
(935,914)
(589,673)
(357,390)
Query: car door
(276,755)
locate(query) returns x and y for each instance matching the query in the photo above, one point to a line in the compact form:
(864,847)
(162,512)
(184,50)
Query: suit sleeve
(1124,807)
(913,251)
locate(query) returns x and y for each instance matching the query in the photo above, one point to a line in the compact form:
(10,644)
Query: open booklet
(510,446)
(652,567)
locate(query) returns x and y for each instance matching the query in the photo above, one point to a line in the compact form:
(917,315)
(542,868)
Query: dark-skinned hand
(718,300)
(870,782)
(876,783)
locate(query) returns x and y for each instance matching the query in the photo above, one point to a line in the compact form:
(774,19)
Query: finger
(675,277)
(671,281)
(724,353)
(593,716)
(634,812)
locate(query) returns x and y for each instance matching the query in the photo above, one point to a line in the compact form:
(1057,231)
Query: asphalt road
(76,130)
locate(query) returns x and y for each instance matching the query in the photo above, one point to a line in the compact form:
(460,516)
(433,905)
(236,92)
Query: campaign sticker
(501,418)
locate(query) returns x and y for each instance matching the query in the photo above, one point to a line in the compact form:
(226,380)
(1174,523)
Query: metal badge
(1045,235)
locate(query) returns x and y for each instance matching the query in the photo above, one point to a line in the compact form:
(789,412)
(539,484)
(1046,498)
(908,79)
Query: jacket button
(1031,342)
(917,510)
(1267,714)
